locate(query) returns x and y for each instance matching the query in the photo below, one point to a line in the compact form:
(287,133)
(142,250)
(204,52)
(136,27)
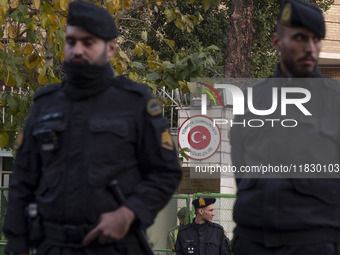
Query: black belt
(72,234)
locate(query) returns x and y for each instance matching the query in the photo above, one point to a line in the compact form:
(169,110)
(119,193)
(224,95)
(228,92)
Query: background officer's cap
(299,13)
(202,202)
(95,20)
(181,213)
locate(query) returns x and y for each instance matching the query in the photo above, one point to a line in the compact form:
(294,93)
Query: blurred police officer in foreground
(81,134)
(202,236)
(291,215)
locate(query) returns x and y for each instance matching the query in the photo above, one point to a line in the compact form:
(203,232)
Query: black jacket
(297,208)
(203,239)
(75,143)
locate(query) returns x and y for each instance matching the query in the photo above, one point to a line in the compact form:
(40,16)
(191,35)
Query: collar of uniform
(84,81)
(279,74)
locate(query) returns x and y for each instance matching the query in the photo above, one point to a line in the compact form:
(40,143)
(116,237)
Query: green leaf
(138,65)
(12,103)
(153,76)
(180,24)
(170,80)
(168,65)
(213,48)
(19,78)
(60,35)
(152,86)
(19,14)
(31,36)
(206,4)
(23,9)
(170,15)
(144,36)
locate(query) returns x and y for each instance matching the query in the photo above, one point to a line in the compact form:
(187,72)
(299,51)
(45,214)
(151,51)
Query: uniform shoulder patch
(46,90)
(154,107)
(167,140)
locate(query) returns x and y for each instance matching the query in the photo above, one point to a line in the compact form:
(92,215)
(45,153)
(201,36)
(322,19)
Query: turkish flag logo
(199,137)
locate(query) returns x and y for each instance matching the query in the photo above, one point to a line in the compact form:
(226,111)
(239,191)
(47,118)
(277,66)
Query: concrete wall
(331,44)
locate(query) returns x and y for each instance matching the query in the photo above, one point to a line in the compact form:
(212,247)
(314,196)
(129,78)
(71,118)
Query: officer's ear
(111,47)
(200,211)
(276,41)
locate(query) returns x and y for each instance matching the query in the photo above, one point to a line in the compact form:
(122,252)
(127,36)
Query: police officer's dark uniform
(202,239)
(297,215)
(81,134)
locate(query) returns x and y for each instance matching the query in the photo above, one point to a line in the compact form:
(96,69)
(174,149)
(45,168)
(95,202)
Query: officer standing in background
(202,236)
(293,214)
(172,235)
(82,133)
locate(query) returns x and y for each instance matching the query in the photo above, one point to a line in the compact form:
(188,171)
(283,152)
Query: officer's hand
(111,226)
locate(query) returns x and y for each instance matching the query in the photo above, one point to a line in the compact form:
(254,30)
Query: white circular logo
(201,136)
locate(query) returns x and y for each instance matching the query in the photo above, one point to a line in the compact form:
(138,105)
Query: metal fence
(3,207)
(165,221)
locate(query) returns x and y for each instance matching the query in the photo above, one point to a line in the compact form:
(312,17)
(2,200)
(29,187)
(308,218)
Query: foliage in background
(31,50)
(162,43)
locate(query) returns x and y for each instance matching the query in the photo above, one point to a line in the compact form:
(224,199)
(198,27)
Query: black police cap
(95,20)
(203,202)
(299,13)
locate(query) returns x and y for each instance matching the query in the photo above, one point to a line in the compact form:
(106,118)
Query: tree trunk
(239,42)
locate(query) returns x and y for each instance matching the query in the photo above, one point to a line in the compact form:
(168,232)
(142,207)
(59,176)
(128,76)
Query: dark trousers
(243,246)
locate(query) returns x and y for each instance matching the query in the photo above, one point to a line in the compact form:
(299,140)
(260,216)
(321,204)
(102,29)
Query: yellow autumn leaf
(134,76)
(123,55)
(4,138)
(42,79)
(64,4)
(14,4)
(127,4)
(4,7)
(118,69)
(114,61)
(10,80)
(12,31)
(54,26)
(28,48)
(3,102)
(171,43)
(11,45)
(36,4)
(138,50)
(159,3)
(54,80)
(32,60)
(1,46)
